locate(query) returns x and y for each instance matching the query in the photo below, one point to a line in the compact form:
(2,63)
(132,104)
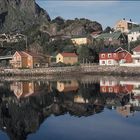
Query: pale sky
(105,12)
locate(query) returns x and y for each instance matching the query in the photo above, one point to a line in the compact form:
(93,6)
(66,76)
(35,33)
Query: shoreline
(85,78)
(74,71)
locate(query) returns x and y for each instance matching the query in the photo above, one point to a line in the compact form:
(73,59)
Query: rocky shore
(74,70)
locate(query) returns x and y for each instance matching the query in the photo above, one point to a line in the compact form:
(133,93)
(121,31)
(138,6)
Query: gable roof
(114,35)
(64,54)
(27,54)
(108,50)
(136,49)
(21,53)
(111,50)
(136,29)
(31,54)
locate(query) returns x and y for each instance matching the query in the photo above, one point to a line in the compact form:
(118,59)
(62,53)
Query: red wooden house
(111,56)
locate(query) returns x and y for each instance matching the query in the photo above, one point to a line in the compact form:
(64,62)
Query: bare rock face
(18,15)
(77,27)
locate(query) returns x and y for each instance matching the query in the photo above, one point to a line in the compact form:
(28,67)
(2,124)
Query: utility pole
(26,43)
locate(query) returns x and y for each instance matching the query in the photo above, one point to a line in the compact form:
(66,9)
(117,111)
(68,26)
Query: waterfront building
(67,58)
(23,59)
(135,58)
(136,55)
(112,56)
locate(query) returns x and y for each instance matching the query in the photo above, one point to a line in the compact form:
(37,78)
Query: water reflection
(65,86)
(25,89)
(25,105)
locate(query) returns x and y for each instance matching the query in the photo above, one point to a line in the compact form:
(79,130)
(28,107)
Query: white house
(136,55)
(135,58)
(134,35)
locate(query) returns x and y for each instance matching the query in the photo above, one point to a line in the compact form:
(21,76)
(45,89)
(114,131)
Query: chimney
(123,18)
(130,20)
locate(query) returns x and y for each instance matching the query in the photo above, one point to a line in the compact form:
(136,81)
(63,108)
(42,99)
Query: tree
(85,54)
(108,30)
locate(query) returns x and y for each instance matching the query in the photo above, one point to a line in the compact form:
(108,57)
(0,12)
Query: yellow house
(65,86)
(80,40)
(124,25)
(23,59)
(67,58)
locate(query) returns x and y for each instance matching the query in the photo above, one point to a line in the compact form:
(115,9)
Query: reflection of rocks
(20,117)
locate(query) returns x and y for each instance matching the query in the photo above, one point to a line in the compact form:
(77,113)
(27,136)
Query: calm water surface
(87,109)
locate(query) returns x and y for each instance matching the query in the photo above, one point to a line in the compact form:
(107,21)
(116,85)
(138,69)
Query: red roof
(137,49)
(68,54)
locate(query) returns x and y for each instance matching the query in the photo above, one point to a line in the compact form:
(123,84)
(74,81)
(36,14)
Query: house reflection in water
(127,110)
(66,86)
(129,92)
(109,86)
(80,99)
(24,89)
(135,97)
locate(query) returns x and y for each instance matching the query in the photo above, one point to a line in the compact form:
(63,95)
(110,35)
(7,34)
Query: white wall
(134,35)
(130,64)
(108,62)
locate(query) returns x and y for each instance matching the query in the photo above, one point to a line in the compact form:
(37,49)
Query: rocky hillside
(18,15)
(59,26)
(28,18)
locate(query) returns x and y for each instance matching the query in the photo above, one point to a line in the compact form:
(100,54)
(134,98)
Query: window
(110,89)
(109,62)
(103,62)
(103,82)
(59,58)
(104,89)
(110,83)
(103,56)
(114,54)
(109,55)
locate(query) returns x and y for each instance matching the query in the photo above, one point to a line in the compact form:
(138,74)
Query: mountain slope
(18,15)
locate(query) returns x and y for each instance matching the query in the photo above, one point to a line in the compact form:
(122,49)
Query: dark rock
(18,15)
(74,27)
